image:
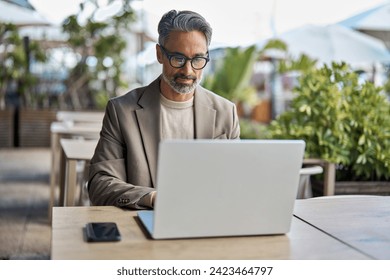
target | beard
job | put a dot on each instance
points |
(179, 87)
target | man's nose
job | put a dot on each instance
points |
(187, 67)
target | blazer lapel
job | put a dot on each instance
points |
(149, 123)
(204, 116)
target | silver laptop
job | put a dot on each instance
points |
(209, 188)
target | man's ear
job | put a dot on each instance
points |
(159, 54)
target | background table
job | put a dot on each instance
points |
(58, 131)
(80, 116)
(74, 150)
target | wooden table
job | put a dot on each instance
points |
(80, 116)
(361, 222)
(73, 150)
(58, 131)
(302, 242)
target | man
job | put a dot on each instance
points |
(174, 106)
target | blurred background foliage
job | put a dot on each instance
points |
(97, 75)
(233, 74)
(15, 60)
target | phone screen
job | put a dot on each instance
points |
(99, 232)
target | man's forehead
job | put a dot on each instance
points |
(180, 40)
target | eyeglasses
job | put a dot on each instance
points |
(179, 60)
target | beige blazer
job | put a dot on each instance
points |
(123, 168)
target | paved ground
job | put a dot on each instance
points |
(25, 230)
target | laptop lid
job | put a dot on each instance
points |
(211, 188)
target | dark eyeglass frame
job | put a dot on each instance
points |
(170, 55)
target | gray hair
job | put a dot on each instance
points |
(182, 21)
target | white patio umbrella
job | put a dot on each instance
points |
(374, 22)
(335, 43)
(20, 16)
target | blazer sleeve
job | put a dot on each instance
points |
(108, 182)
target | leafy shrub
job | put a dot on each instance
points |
(341, 121)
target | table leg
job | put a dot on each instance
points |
(62, 177)
(70, 182)
(53, 171)
(329, 178)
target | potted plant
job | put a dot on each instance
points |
(342, 121)
(17, 85)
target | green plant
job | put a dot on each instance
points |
(100, 44)
(232, 77)
(302, 64)
(15, 59)
(341, 121)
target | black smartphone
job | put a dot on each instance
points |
(101, 232)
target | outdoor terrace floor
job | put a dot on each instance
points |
(25, 230)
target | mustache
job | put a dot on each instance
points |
(181, 76)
